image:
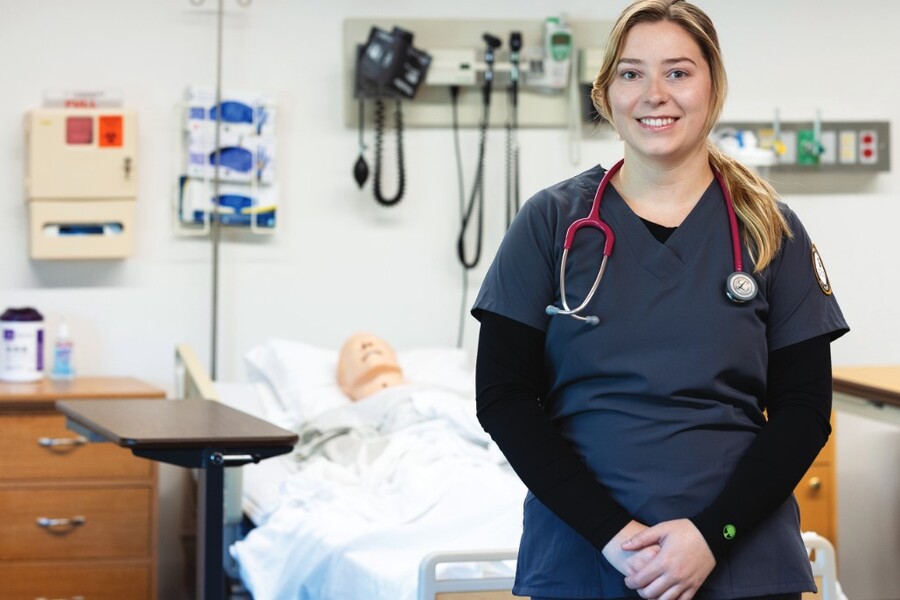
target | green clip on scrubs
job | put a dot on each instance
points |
(662, 398)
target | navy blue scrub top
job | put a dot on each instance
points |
(663, 397)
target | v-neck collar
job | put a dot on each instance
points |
(661, 232)
(663, 261)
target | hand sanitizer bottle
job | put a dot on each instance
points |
(62, 355)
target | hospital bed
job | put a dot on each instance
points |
(452, 541)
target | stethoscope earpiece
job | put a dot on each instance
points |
(740, 287)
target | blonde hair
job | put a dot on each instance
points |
(754, 199)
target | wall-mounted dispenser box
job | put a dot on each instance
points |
(80, 182)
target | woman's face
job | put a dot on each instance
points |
(660, 95)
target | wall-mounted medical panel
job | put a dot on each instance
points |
(80, 182)
(832, 146)
(457, 50)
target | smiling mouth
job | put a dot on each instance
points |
(657, 121)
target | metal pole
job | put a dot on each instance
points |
(214, 231)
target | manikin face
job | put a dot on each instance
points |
(367, 364)
(660, 96)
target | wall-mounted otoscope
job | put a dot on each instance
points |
(515, 46)
(492, 44)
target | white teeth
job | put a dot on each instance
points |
(658, 122)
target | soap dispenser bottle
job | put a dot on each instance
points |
(62, 355)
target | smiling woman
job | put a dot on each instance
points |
(651, 465)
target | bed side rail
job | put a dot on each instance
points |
(192, 381)
(824, 565)
(432, 587)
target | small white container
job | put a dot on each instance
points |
(21, 345)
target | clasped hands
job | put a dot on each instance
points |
(669, 561)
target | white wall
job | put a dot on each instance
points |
(338, 263)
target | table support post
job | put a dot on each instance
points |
(210, 539)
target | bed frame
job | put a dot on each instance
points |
(192, 381)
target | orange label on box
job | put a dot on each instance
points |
(110, 134)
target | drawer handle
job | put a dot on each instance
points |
(815, 484)
(50, 524)
(72, 598)
(57, 442)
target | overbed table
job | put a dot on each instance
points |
(198, 434)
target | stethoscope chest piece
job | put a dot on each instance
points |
(740, 287)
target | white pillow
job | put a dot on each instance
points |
(446, 368)
(304, 377)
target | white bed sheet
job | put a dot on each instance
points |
(355, 519)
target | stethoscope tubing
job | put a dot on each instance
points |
(593, 220)
(732, 223)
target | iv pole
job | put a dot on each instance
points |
(210, 584)
(215, 233)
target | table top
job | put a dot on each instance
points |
(175, 424)
(875, 383)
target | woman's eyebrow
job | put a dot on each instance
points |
(668, 61)
(679, 59)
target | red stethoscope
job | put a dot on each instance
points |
(740, 287)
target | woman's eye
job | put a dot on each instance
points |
(628, 75)
(678, 74)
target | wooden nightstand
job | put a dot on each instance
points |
(80, 519)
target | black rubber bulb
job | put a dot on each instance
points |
(360, 171)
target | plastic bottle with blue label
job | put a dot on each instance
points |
(62, 355)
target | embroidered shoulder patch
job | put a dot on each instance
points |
(819, 269)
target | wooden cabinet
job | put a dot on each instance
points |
(817, 493)
(79, 518)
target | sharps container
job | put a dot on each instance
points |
(22, 346)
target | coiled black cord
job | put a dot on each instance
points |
(512, 176)
(379, 133)
(513, 203)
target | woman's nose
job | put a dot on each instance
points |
(656, 92)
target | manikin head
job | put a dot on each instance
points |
(367, 364)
